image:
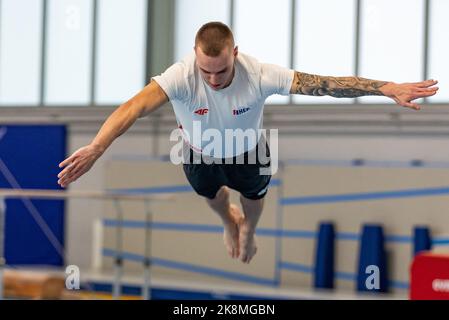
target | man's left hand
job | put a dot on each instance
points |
(405, 93)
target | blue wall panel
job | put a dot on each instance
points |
(29, 158)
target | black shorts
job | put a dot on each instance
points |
(207, 178)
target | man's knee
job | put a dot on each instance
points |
(221, 195)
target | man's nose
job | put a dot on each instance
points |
(214, 79)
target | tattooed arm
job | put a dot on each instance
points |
(338, 87)
(351, 87)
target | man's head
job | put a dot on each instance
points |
(215, 54)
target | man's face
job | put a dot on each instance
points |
(217, 71)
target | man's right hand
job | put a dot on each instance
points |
(78, 164)
(146, 101)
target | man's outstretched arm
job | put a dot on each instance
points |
(146, 101)
(351, 87)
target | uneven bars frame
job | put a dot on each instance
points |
(63, 195)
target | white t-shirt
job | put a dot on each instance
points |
(203, 114)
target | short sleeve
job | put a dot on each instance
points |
(173, 82)
(275, 79)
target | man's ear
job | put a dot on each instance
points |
(236, 51)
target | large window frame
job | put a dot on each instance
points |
(151, 49)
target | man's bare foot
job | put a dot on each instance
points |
(247, 242)
(231, 232)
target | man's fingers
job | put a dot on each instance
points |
(67, 180)
(66, 170)
(422, 94)
(411, 105)
(63, 163)
(427, 83)
(72, 167)
(434, 89)
(67, 161)
(430, 93)
(413, 91)
(69, 175)
(77, 172)
(64, 183)
(76, 176)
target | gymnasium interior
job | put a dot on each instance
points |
(355, 210)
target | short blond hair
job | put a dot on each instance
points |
(213, 37)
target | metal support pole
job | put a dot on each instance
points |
(118, 261)
(279, 226)
(358, 17)
(146, 293)
(426, 50)
(93, 57)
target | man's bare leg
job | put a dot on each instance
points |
(252, 210)
(231, 216)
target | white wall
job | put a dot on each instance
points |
(81, 214)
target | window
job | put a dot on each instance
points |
(190, 16)
(324, 42)
(391, 42)
(69, 52)
(120, 57)
(20, 52)
(439, 48)
(262, 29)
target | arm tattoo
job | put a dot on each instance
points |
(338, 87)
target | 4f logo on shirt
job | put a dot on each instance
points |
(240, 111)
(202, 111)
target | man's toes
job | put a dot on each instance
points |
(231, 247)
(235, 252)
(231, 252)
(245, 258)
(248, 254)
(252, 255)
